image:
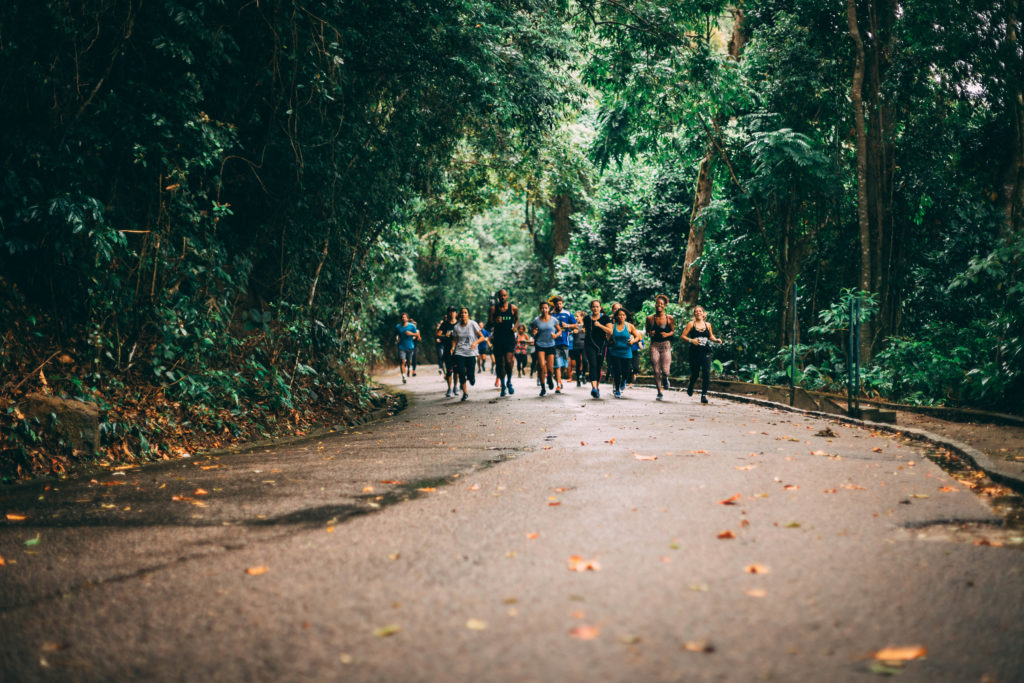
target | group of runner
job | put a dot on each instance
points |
(562, 346)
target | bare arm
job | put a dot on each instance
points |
(686, 333)
(712, 335)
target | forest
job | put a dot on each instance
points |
(213, 211)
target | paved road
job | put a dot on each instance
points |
(459, 568)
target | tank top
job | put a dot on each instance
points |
(620, 343)
(504, 327)
(658, 332)
(706, 333)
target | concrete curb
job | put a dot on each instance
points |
(998, 471)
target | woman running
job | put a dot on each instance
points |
(620, 353)
(598, 327)
(660, 328)
(699, 335)
(468, 335)
(523, 343)
(545, 329)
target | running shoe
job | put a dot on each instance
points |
(703, 399)
(510, 389)
(543, 390)
(689, 390)
(403, 379)
(448, 394)
(560, 387)
(413, 373)
(455, 391)
(594, 393)
(551, 382)
(618, 394)
(503, 390)
(465, 395)
(660, 397)
(665, 383)
(597, 393)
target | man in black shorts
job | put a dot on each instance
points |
(446, 342)
(502, 321)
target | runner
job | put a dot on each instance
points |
(503, 319)
(482, 352)
(577, 359)
(405, 337)
(661, 327)
(415, 347)
(598, 327)
(699, 335)
(545, 330)
(620, 353)
(566, 324)
(468, 335)
(445, 337)
(523, 343)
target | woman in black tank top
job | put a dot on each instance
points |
(699, 335)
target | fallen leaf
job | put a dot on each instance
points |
(33, 541)
(756, 592)
(368, 489)
(427, 489)
(790, 487)
(829, 491)
(853, 487)
(3, 562)
(610, 441)
(726, 534)
(476, 624)
(697, 452)
(757, 569)
(876, 449)
(901, 654)
(701, 645)
(699, 587)
(393, 482)
(629, 639)
(532, 535)
(578, 614)
(201, 492)
(731, 500)
(11, 517)
(561, 489)
(744, 522)
(256, 571)
(645, 457)
(948, 489)
(555, 504)
(385, 631)
(578, 564)
(985, 541)
(585, 632)
(793, 525)
(744, 468)
(330, 529)
(918, 495)
(818, 453)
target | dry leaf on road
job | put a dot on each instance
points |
(727, 534)
(256, 571)
(757, 569)
(585, 632)
(578, 564)
(731, 500)
(901, 654)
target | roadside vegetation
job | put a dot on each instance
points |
(213, 213)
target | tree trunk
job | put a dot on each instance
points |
(864, 225)
(561, 223)
(1013, 184)
(689, 286)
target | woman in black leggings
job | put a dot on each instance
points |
(699, 335)
(598, 327)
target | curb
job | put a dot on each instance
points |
(993, 468)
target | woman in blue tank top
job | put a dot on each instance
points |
(620, 349)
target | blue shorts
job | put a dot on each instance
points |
(561, 356)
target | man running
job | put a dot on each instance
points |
(566, 325)
(503, 318)
(405, 335)
(446, 343)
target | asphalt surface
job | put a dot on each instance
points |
(436, 545)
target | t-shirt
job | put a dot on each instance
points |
(405, 342)
(482, 346)
(465, 335)
(566, 318)
(443, 329)
(544, 339)
(579, 338)
(596, 338)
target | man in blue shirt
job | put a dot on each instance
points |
(567, 325)
(406, 335)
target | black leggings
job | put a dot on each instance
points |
(700, 360)
(466, 366)
(595, 357)
(521, 362)
(621, 369)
